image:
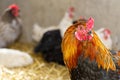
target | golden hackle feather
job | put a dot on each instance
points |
(103, 56)
(69, 48)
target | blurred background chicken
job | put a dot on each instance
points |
(86, 56)
(10, 25)
(66, 21)
(105, 36)
(50, 47)
(14, 58)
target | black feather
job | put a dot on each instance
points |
(50, 47)
(88, 70)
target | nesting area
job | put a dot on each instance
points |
(39, 70)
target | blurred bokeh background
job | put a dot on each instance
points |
(106, 13)
(49, 12)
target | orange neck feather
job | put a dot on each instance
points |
(70, 49)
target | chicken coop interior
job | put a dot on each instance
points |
(36, 42)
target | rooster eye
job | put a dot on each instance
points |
(90, 32)
(74, 22)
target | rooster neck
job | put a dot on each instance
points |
(93, 49)
(73, 48)
(7, 17)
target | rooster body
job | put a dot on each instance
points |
(85, 55)
(10, 26)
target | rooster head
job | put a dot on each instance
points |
(84, 29)
(14, 9)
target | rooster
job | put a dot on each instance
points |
(86, 56)
(10, 25)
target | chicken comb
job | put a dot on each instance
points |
(71, 12)
(107, 30)
(14, 6)
(90, 23)
(71, 9)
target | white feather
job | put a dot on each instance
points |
(38, 31)
(14, 58)
(65, 23)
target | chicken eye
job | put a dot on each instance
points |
(74, 22)
(90, 32)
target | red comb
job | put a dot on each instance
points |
(71, 9)
(107, 30)
(90, 23)
(14, 6)
(15, 9)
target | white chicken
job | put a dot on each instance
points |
(66, 21)
(10, 25)
(104, 35)
(14, 58)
